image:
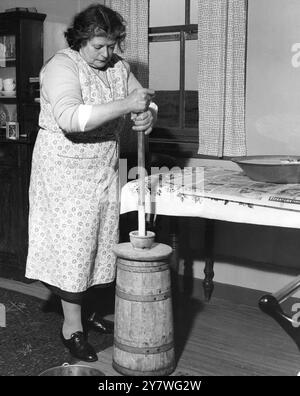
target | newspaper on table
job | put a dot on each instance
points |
(224, 184)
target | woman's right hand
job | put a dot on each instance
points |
(138, 100)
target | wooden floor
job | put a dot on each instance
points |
(219, 338)
(225, 339)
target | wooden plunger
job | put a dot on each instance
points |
(141, 239)
(142, 174)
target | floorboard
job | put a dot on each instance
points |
(226, 339)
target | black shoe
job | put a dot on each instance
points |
(99, 324)
(79, 347)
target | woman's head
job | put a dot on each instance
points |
(96, 21)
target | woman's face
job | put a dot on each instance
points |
(98, 51)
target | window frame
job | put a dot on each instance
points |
(181, 141)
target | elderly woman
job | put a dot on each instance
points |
(86, 92)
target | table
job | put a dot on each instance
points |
(216, 193)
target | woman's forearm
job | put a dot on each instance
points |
(137, 101)
(103, 113)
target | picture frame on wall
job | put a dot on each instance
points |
(12, 130)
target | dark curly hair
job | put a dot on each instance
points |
(96, 20)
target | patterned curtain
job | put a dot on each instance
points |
(222, 51)
(136, 15)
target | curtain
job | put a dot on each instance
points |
(221, 78)
(136, 15)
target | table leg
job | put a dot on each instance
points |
(208, 284)
(174, 262)
(188, 263)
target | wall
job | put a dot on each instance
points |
(273, 75)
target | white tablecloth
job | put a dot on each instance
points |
(216, 193)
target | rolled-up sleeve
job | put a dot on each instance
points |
(61, 88)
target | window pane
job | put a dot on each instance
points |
(191, 84)
(191, 64)
(164, 79)
(167, 12)
(164, 65)
(194, 11)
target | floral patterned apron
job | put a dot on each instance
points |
(74, 207)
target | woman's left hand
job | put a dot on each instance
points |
(144, 122)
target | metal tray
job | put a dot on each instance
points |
(282, 169)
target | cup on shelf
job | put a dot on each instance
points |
(9, 84)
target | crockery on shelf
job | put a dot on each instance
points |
(4, 115)
(9, 84)
(8, 93)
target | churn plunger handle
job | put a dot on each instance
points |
(142, 174)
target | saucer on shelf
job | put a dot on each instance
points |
(8, 93)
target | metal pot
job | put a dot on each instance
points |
(66, 370)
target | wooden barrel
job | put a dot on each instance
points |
(143, 335)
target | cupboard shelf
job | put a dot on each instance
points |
(8, 99)
(22, 34)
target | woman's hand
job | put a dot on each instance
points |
(144, 122)
(138, 100)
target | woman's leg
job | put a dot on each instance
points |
(97, 302)
(72, 333)
(100, 299)
(72, 318)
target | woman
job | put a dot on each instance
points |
(86, 92)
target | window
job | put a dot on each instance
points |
(173, 35)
